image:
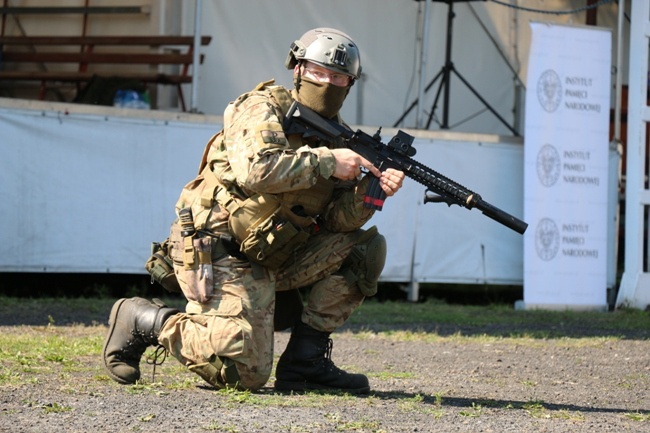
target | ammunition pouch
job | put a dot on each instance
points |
(267, 233)
(161, 267)
(272, 242)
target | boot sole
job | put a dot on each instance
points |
(111, 327)
(285, 386)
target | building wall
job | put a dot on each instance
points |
(251, 39)
(489, 49)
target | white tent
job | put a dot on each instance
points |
(403, 45)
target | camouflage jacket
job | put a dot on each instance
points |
(253, 155)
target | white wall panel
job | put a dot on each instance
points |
(87, 189)
(90, 192)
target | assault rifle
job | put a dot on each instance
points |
(396, 154)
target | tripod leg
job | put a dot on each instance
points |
(414, 103)
(469, 86)
(443, 83)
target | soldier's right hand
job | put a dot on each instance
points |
(349, 164)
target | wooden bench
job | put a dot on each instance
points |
(21, 60)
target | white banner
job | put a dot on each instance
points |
(87, 192)
(566, 167)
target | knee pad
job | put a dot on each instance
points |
(366, 261)
(220, 372)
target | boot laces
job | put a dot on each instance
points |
(134, 348)
(327, 357)
(328, 349)
(156, 358)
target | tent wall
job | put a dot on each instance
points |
(88, 189)
(76, 181)
(435, 243)
(490, 45)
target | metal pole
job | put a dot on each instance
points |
(615, 168)
(619, 75)
(446, 77)
(634, 289)
(424, 46)
(195, 60)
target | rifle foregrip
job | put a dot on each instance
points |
(375, 196)
(501, 217)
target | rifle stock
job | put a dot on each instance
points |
(396, 154)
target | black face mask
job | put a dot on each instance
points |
(324, 98)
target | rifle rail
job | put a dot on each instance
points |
(396, 154)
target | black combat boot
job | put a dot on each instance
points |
(306, 364)
(134, 325)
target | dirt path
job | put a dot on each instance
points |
(426, 384)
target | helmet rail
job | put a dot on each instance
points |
(326, 47)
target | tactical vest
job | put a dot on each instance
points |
(268, 227)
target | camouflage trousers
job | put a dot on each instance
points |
(234, 329)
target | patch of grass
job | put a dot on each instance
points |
(386, 375)
(638, 416)
(417, 404)
(550, 323)
(218, 427)
(634, 380)
(27, 352)
(147, 418)
(184, 382)
(55, 408)
(142, 387)
(9, 376)
(422, 336)
(362, 424)
(511, 323)
(569, 415)
(536, 409)
(476, 411)
(359, 425)
(56, 311)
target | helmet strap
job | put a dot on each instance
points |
(297, 77)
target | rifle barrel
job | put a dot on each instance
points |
(500, 216)
(302, 120)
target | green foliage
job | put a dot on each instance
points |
(498, 319)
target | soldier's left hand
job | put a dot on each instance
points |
(391, 181)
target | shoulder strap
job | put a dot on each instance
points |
(215, 191)
(264, 84)
(282, 97)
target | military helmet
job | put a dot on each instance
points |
(327, 47)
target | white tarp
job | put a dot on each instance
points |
(90, 192)
(566, 167)
(251, 39)
(435, 243)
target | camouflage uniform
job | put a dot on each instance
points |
(233, 327)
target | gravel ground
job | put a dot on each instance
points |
(440, 382)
